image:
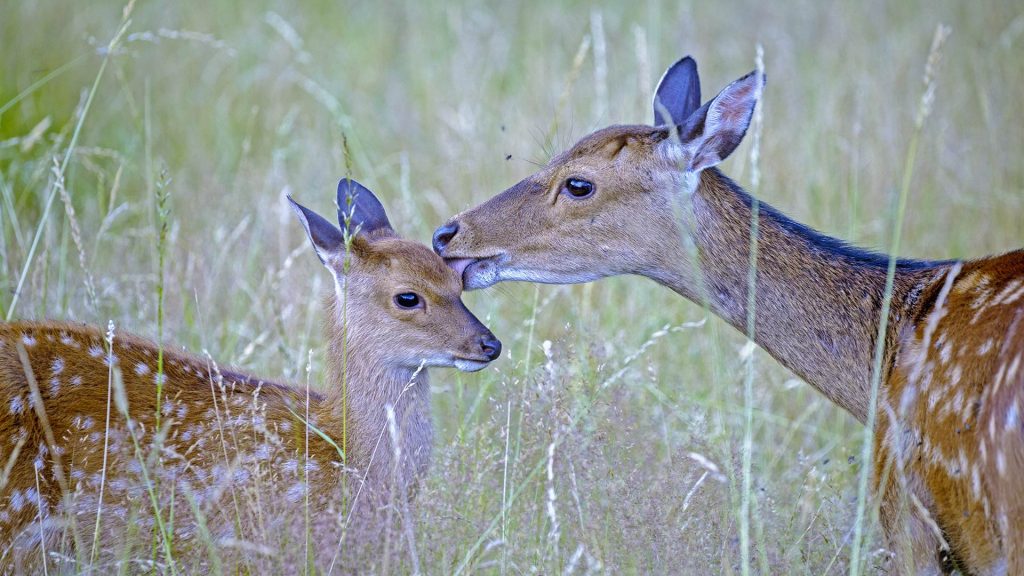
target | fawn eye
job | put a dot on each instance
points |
(407, 300)
(578, 187)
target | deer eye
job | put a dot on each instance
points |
(578, 187)
(407, 300)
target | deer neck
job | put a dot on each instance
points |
(818, 301)
(362, 388)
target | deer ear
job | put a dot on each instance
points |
(325, 237)
(368, 214)
(678, 93)
(714, 131)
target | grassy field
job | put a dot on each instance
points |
(608, 438)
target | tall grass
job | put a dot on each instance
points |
(924, 109)
(602, 440)
(748, 381)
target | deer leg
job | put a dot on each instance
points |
(910, 535)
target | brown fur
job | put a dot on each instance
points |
(221, 425)
(818, 304)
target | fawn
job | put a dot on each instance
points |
(948, 459)
(394, 311)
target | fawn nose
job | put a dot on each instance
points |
(490, 346)
(443, 235)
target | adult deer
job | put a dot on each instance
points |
(949, 443)
(69, 430)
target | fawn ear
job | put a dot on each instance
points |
(367, 212)
(678, 93)
(325, 237)
(714, 131)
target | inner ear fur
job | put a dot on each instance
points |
(612, 149)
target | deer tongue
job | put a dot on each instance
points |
(459, 264)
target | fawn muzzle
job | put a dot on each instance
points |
(490, 346)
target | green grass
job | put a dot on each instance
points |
(600, 441)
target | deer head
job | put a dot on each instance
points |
(609, 204)
(397, 296)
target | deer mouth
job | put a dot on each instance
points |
(459, 265)
(476, 273)
(471, 364)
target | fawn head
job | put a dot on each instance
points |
(608, 205)
(395, 294)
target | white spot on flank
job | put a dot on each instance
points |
(54, 386)
(957, 373)
(95, 351)
(291, 466)
(1012, 417)
(947, 353)
(160, 379)
(985, 348)
(32, 497)
(17, 500)
(58, 366)
(141, 369)
(295, 492)
(1009, 292)
(83, 422)
(1011, 374)
(975, 482)
(76, 380)
(17, 405)
(67, 340)
(28, 339)
(1011, 298)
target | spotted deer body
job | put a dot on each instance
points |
(394, 312)
(949, 441)
(648, 200)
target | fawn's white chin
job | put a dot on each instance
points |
(466, 365)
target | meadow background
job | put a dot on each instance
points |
(608, 438)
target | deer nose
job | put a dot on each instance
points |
(490, 346)
(443, 235)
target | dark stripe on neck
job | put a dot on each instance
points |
(829, 246)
